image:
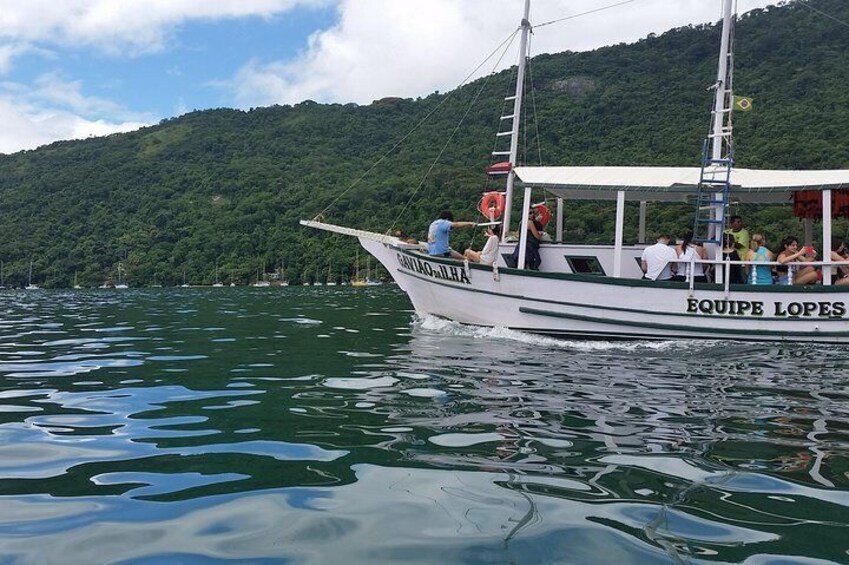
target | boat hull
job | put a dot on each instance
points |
(572, 305)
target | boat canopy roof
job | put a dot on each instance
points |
(675, 184)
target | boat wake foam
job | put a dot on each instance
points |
(435, 324)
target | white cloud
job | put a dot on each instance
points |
(391, 48)
(52, 89)
(8, 53)
(123, 26)
(54, 109)
(27, 127)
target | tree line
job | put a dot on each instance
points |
(218, 193)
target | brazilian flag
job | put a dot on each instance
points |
(742, 103)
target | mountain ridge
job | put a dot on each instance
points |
(228, 187)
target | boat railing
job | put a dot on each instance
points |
(726, 265)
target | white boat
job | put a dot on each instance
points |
(357, 281)
(261, 281)
(283, 280)
(76, 284)
(370, 281)
(30, 285)
(596, 291)
(217, 283)
(121, 284)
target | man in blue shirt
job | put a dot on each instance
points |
(437, 235)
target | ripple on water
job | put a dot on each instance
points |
(465, 440)
(506, 447)
(425, 392)
(360, 383)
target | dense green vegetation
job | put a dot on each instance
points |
(228, 187)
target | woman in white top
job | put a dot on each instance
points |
(690, 252)
(489, 254)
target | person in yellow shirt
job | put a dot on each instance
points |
(741, 234)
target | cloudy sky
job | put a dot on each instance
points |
(71, 69)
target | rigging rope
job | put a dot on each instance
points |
(506, 44)
(534, 106)
(507, 41)
(584, 13)
(820, 12)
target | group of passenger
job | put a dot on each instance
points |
(660, 262)
(663, 262)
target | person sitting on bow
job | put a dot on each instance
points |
(438, 233)
(489, 254)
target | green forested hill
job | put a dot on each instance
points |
(228, 187)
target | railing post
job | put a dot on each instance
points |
(558, 233)
(691, 273)
(826, 236)
(618, 230)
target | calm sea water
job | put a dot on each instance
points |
(328, 425)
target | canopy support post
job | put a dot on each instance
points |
(809, 228)
(641, 234)
(558, 234)
(523, 232)
(620, 229)
(826, 236)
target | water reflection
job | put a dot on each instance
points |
(321, 425)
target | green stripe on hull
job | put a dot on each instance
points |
(753, 334)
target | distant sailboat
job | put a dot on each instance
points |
(76, 284)
(2, 283)
(217, 282)
(155, 284)
(232, 278)
(283, 281)
(357, 281)
(369, 280)
(29, 285)
(261, 282)
(185, 284)
(121, 282)
(330, 280)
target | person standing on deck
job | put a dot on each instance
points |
(438, 233)
(741, 234)
(659, 260)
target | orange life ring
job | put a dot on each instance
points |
(492, 205)
(544, 213)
